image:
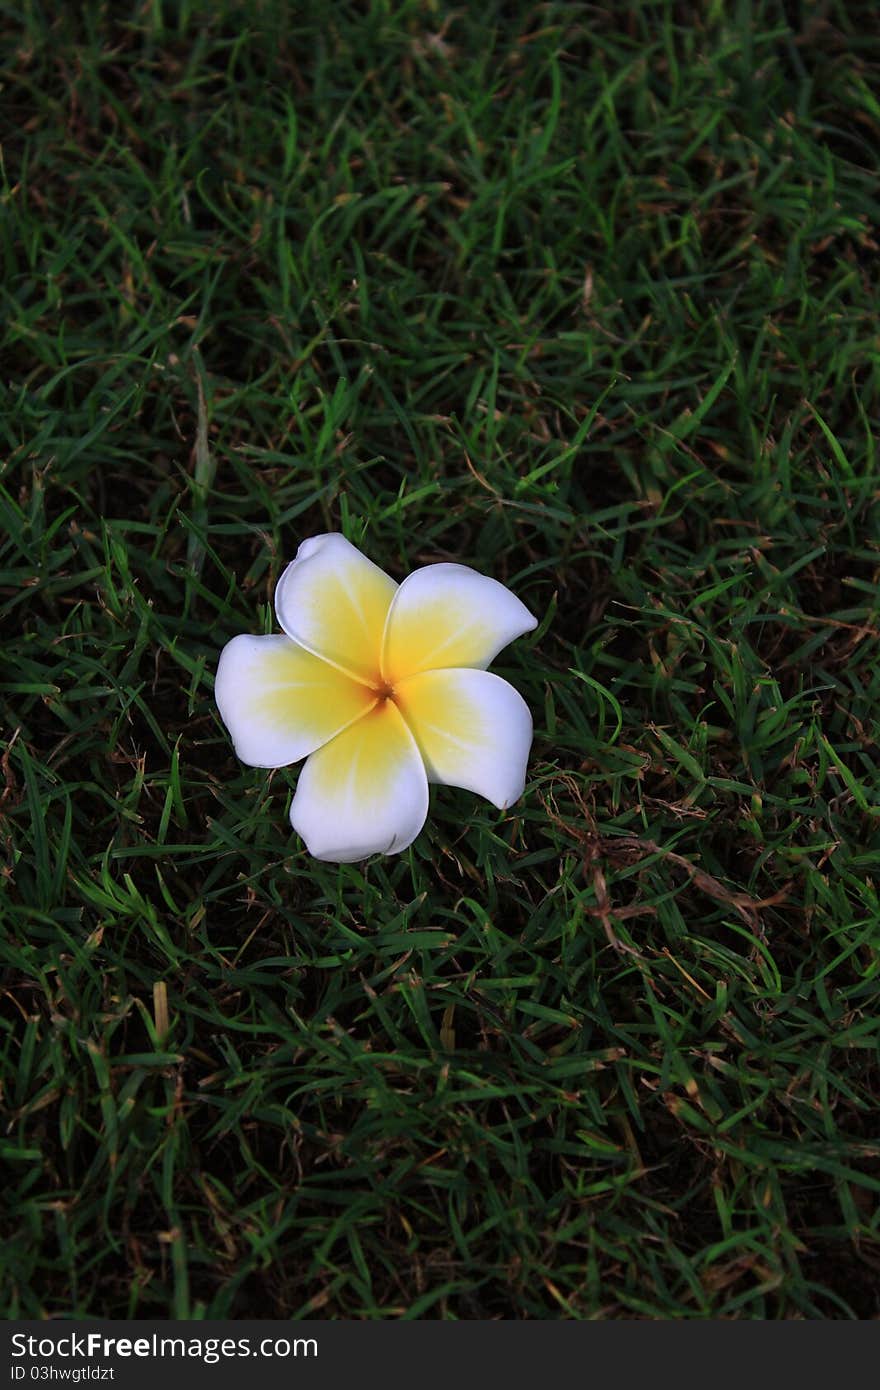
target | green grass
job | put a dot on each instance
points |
(583, 297)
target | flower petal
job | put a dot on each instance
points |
(334, 602)
(473, 730)
(279, 702)
(364, 793)
(449, 616)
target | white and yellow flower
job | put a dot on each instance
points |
(383, 688)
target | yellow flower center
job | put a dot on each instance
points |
(383, 691)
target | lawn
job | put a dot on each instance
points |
(584, 297)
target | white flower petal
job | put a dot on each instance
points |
(279, 702)
(364, 793)
(472, 728)
(449, 616)
(334, 602)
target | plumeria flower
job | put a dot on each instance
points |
(382, 687)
